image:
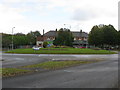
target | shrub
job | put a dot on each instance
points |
(45, 44)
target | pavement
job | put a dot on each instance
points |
(102, 74)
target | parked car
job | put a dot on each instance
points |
(36, 48)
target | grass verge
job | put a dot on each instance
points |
(52, 65)
(60, 51)
(6, 72)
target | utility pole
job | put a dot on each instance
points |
(12, 38)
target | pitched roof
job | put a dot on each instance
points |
(75, 34)
(79, 34)
(51, 34)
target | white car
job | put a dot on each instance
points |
(36, 48)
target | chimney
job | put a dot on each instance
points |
(43, 31)
(80, 31)
(56, 29)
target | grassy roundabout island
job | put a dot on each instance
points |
(60, 51)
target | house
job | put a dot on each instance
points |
(39, 41)
(80, 38)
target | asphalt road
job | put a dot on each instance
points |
(16, 60)
(102, 74)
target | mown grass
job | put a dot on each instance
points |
(6, 72)
(60, 51)
(52, 65)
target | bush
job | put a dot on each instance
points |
(45, 44)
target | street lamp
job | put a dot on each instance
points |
(12, 37)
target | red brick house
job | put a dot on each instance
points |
(80, 38)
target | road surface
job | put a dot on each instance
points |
(16, 60)
(102, 74)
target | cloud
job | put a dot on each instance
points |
(9, 14)
(9, 17)
(28, 15)
(82, 15)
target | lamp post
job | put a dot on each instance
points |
(12, 37)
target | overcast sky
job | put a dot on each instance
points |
(32, 15)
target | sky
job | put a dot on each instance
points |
(32, 15)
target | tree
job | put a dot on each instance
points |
(94, 36)
(20, 40)
(20, 34)
(118, 39)
(105, 36)
(6, 40)
(64, 37)
(32, 37)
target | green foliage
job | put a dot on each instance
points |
(110, 35)
(20, 34)
(45, 44)
(103, 36)
(118, 37)
(19, 39)
(6, 40)
(64, 37)
(95, 37)
(32, 37)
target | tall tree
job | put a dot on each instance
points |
(118, 40)
(20, 34)
(105, 35)
(32, 37)
(20, 40)
(6, 40)
(95, 36)
(110, 35)
(64, 37)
